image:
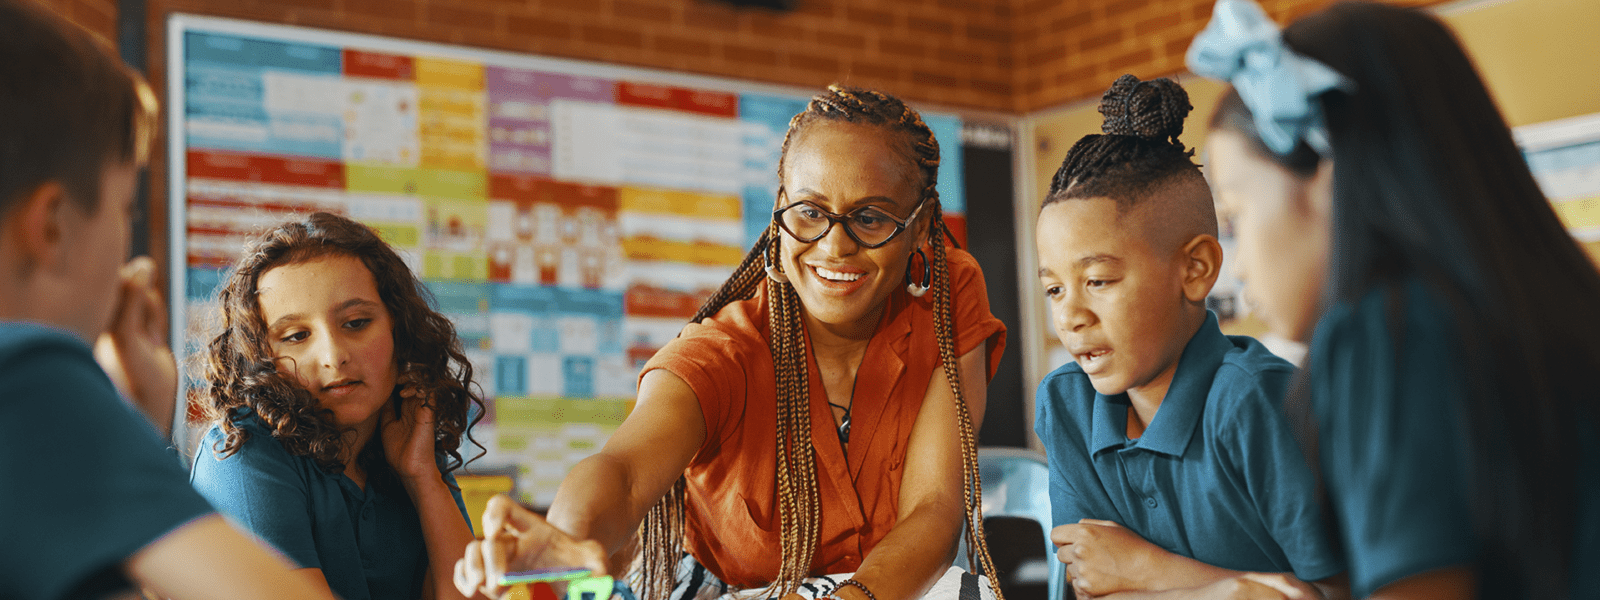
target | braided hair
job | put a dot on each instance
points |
(1138, 154)
(799, 502)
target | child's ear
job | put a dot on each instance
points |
(1202, 264)
(37, 224)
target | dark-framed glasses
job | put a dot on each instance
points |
(869, 226)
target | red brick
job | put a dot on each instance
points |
(1116, 8)
(456, 16)
(962, 58)
(1047, 55)
(591, 7)
(612, 36)
(1075, 76)
(874, 71)
(869, 17)
(930, 25)
(682, 46)
(750, 55)
(520, 25)
(320, 5)
(654, 12)
(903, 49)
(997, 88)
(1100, 40)
(934, 79)
(835, 40)
(813, 62)
(967, 6)
(771, 26)
(389, 9)
(989, 34)
(1160, 22)
(705, 15)
(1126, 62)
(1071, 21)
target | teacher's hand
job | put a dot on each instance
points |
(517, 539)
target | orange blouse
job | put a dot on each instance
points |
(733, 523)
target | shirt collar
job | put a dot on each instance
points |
(1180, 412)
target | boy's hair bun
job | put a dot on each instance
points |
(1153, 109)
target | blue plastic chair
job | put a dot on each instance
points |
(1016, 483)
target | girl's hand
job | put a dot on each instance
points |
(408, 438)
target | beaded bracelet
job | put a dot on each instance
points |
(858, 585)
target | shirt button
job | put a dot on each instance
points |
(1150, 502)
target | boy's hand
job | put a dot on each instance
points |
(1103, 557)
(134, 351)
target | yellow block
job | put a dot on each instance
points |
(476, 490)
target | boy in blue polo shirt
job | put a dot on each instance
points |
(1172, 471)
(91, 503)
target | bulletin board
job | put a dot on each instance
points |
(569, 217)
(1564, 156)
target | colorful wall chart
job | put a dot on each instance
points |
(569, 223)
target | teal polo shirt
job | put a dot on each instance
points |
(367, 542)
(1388, 392)
(85, 481)
(1217, 476)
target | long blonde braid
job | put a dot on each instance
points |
(799, 501)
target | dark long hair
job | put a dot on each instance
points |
(241, 374)
(1429, 185)
(799, 501)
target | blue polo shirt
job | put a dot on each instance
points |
(85, 481)
(1217, 476)
(367, 542)
(1388, 391)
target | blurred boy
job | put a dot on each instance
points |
(91, 503)
(1172, 471)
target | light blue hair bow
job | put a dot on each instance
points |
(1243, 46)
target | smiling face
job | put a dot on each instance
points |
(327, 324)
(841, 167)
(1282, 238)
(1118, 304)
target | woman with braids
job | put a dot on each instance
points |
(1385, 214)
(818, 415)
(340, 400)
(1173, 473)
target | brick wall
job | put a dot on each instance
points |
(1068, 50)
(955, 52)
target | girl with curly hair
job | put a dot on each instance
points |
(339, 401)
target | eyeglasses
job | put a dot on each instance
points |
(869, 226)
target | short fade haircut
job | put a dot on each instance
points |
(68, 107)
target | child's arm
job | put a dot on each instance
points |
(408, 444)
(1104, 558)
(134, 352)
(208, 559)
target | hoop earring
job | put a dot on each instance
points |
(915, 290)
(775, 274)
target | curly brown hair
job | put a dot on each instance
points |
(241, 375)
